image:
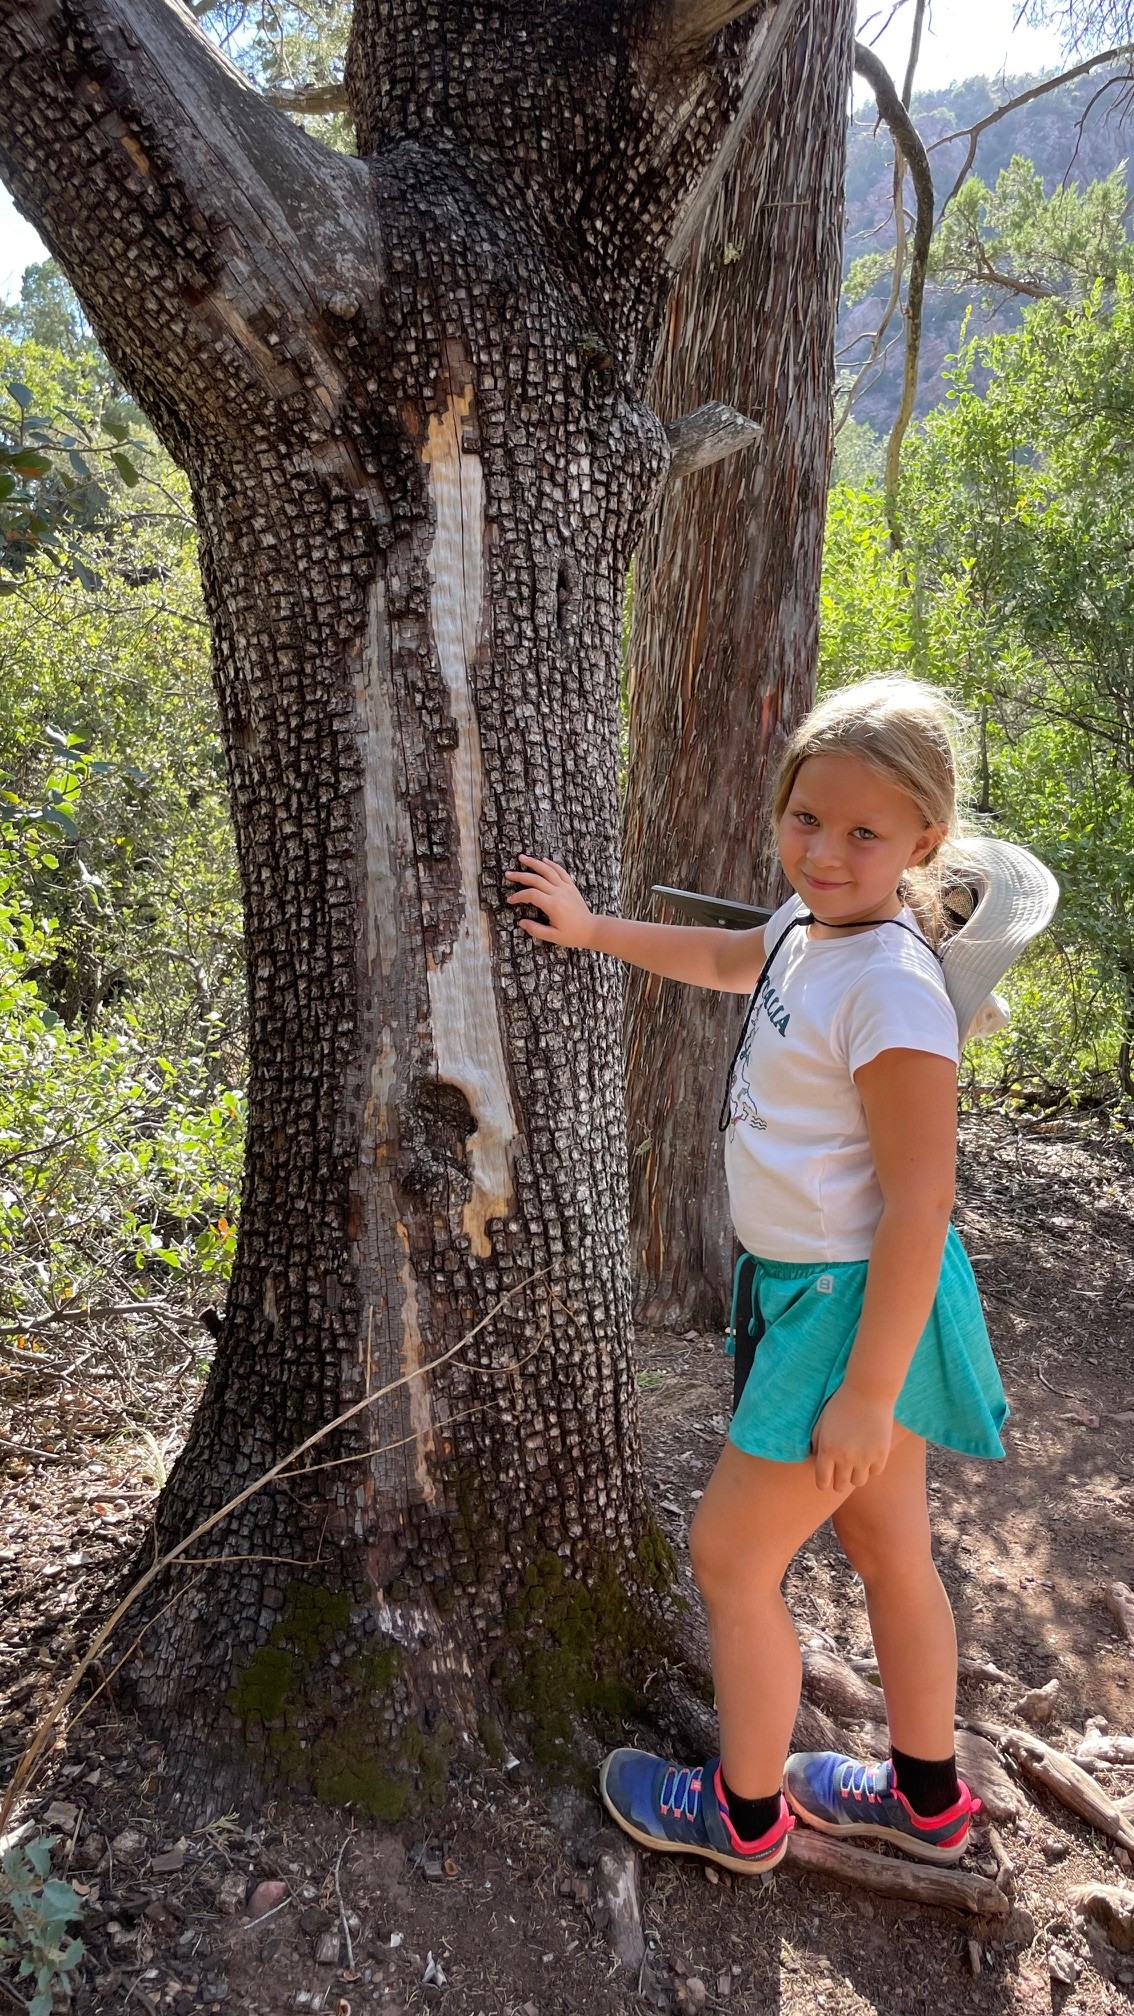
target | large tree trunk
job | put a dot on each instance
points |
(408, 395)
(725, 631)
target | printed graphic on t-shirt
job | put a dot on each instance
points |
(743, 1101)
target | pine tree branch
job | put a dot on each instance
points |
(972, 133)
(908, 141)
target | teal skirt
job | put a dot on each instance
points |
(804, 1320)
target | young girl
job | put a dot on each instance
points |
(840, 1149)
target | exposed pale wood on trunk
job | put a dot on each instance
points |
(467, 1036)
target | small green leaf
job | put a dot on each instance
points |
(21, 395)
(29, 462)
(125, 469)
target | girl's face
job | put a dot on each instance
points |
(847, 836)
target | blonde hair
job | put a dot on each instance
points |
(915, 738)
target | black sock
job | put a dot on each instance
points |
(930, 1785)
(751, 1817)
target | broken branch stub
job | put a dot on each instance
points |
(707, 435)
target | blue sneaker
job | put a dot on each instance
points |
(684, 1812)
(841, 1796)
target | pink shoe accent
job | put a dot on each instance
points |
(965, 1808)
(776, 1832)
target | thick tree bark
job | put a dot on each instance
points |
(408, 392)
(725, 630)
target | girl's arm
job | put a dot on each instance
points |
(910, 1101)
(698, 954)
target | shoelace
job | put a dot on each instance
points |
(681, 1793)
(857, 1781)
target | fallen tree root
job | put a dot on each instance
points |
(1005, 1878)
(834, 1685)
(916, 1882)
(978, 1762)
(1062, 1777)
(969, 1669)
(692, 1725)
(1111, 1907)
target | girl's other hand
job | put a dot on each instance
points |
(550, 889)
(851, 1440)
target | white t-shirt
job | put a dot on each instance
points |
(801, 1179)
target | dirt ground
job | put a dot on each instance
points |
(496, 1911)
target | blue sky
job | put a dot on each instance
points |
(965, 38)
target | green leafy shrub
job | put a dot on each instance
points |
(36, 1909)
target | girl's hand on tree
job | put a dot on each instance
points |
(550, 889)
(851, 1440)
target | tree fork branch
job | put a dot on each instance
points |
(707, 435)
(909, 144)
(187, 212)
(307, 98)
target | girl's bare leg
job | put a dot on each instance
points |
(883, 1529)
(753, 1517)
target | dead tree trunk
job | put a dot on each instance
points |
(408, 393)
(725, 629)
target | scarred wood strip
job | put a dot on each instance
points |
(399, 1328)
(466, 1017)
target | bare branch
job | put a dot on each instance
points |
(708, 435)
(972, 133)
(908, 141)
(915, 52)
(309, 98)
(137, 149)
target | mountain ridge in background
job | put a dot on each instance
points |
(1078, 133)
